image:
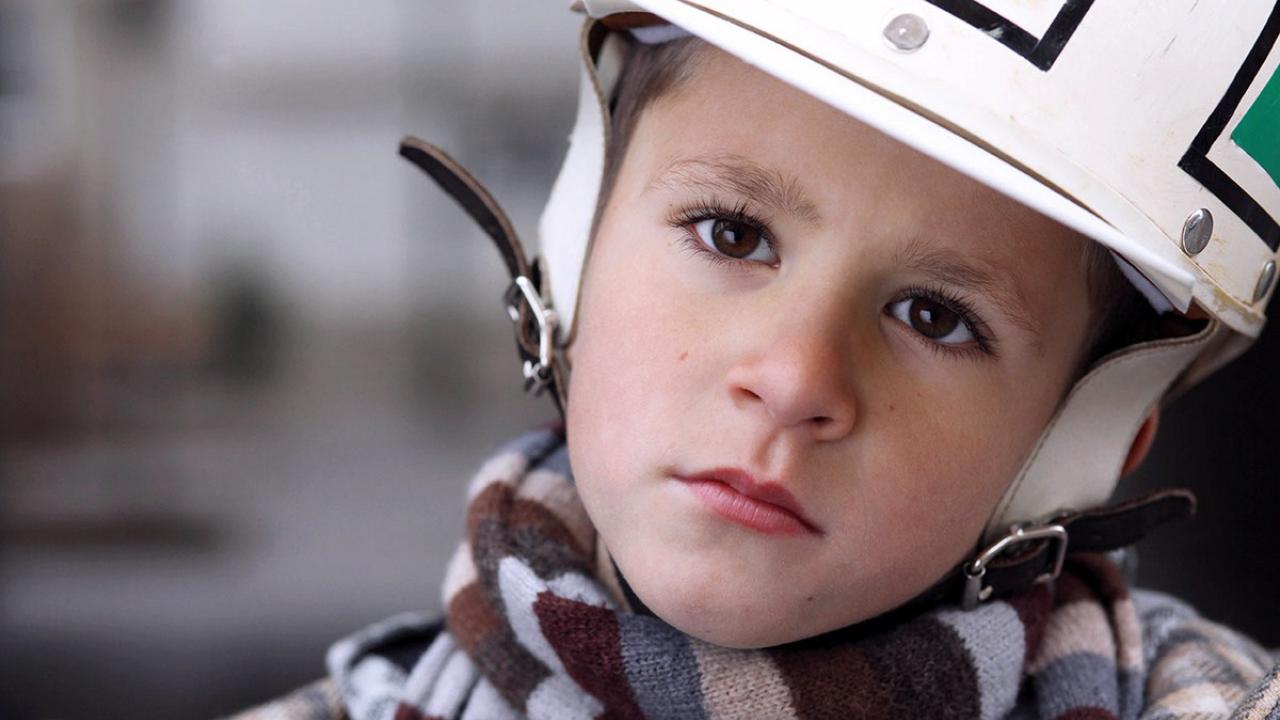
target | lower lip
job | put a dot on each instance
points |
(746, 511)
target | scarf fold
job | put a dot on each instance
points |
(532, 631)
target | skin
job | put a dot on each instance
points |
(798, 367)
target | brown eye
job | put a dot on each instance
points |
(933, 320)
(735, 239)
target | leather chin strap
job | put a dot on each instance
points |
(535, 322)
(1011, 564)
(1033, 553)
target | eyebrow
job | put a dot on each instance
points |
(743, 177)
(949, 266)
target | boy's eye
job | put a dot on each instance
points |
(933, 320)
(735, 239)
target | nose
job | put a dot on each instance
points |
(800, 381)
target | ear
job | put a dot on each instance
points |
(1142, 442)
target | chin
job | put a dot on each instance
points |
(732, 612)
(704, 622)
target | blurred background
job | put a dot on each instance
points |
(249, 357)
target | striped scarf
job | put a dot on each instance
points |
(532, 631)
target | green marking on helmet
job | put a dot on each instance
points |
(1258, 133)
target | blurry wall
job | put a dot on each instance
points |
(249, 357)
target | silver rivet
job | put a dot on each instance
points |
(1196, 231)
(907, 32)
(1267, 277)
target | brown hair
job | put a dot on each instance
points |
(1120, 315)
(648, 73)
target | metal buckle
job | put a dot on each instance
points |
(537, 375)
(974, 591)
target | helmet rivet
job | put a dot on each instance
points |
(1265, 280)
(1196, 231)
(907, 32)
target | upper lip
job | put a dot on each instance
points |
(763, 490)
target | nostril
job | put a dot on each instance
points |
(745, 395)
(831, 427)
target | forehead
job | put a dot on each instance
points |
(725, 108)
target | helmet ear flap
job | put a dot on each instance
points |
(1082, 451)
(565, 228)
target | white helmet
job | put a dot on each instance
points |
(1151, 126)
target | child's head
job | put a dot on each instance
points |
(783, 299)
(881, 295)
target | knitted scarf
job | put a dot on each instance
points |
(532, 631)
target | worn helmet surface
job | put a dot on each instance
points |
(1151, 126)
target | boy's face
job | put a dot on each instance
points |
(784, 307)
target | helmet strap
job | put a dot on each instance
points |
(1031, 553)
(535, 321)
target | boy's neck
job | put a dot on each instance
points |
(611, 578)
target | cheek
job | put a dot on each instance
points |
(628, 345)
(939, 465)
(634, 350)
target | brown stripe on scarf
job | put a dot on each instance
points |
(1071, 589)
(548, 489)
(485, 635)
(537, 523)
(919, 669)
(927, 670)
(499, 525)
(818, 691)
(586, 639)
(1107, 576)
(489, 504)
(472, 618)
(1034, 609)
(512, 669)
(1090, 577)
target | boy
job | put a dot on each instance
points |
(854, 373)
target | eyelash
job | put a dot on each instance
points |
(715, 210)
(738, 212)
(983, 341)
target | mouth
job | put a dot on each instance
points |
(763, 506)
